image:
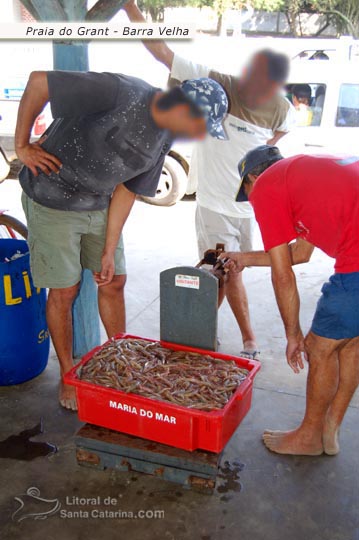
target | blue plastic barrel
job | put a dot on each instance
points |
(24, 337)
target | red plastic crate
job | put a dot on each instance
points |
(170, 424)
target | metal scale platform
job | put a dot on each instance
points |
(101, 448)
(189, 308)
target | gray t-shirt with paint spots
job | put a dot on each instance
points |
(104, 135)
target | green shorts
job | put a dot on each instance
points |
(62, 243)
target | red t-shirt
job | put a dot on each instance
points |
(315, 198)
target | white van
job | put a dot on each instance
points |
(332, 125)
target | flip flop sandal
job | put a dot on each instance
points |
(250, 355)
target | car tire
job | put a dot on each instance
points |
(172, 185)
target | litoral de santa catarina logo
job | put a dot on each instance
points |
(36, 507)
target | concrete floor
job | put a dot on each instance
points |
(262, 496)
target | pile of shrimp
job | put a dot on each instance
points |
(145, 368)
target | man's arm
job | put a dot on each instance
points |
(300, 252)
(281, 259)
(121, 204)
(287, 125)
(33, 101)
(120, 208)
(286, 292)
(158, 48)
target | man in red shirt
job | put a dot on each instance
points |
(313, 200)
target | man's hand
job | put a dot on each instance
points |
(296, 352)
(234, 263)
(107, 270)
(35, 157)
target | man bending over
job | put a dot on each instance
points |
(107, 143)
(313, 200)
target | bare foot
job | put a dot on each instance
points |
(67, 396)
(331, 438)
(292, 442)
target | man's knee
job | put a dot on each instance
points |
(318, 346)
(350, 346)
(63, 296)
(234, 279)
(116, 286)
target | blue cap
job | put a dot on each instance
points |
(262, 154)
(211, 99)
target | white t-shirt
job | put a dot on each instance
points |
(214, 163)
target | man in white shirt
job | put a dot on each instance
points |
(258, 114)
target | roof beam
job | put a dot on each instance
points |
(30, 8)
(72, 10)
(104, 10)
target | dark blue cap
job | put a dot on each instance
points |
(252, 159)
(211, 99)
